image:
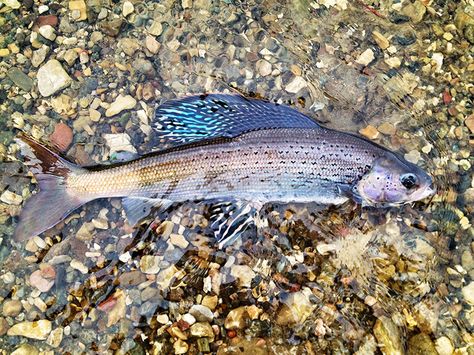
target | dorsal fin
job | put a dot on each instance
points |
(200, 117)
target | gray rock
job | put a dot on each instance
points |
(39, 56)
(20, 79)
(52, 78)
(201, 313)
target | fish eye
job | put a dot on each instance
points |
(408, 180)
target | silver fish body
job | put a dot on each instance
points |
(278, 165)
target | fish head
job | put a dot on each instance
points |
(393, 181)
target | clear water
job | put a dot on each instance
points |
(312, 279)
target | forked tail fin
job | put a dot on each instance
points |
(54, 201)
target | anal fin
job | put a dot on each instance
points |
(137, 208)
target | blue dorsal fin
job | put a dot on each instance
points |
(201, 117)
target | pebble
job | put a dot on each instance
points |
(264, 68)
(179, 240)
(386, 128)
(11, 198)
(51, 20)
(20, 79)
(180, 347)
(188, 318)
(129, 45)
(444, 346)
(78, 10)
(420, 344)
(237, 318)
(52, 78)
(25, 349)
(162, 318)
(48, 32)
(210, 302)
(14, 4)
(127, 8)
(201, 329)
(119, 142)
(388, 336)
(117, 308)
(370, 132)
(11, 308)
(39, 56)
(156, 28)
(243, 273)
(366, 57)
(414, 10)
(150, 264)
(79, 266)
(3, 326)
(413, 156)
(381, 40)
(34, 330)
(62, 136)
(55, 337)
(120, 104)
(42, 281)
(94, 115)
(469, 122)
(152, 44)
(4, 52)
(201, 313)
(71, 56)
(468, 293)
(426, 317)
(42, 9)
(297, 84)
(296, 308)
(393, 62)
(438, 59)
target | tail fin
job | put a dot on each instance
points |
(53, 202)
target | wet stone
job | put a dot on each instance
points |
(120, 104)
(52, 78)
(444, 346)
(236, 319)
(388, 336)
(468, 293)
(20, 79)
(210, 302)
(150, 264)
(62, 136)
(3, 326)
(11, 308)
(34, 330)
(201, 329)
(180, 347)
(25, 349)
(420, 344)
(201, 313)
(295, 85)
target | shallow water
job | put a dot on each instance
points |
(310, 279)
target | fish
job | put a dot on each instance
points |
(233, 152)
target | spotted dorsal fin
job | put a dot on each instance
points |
(201, 117)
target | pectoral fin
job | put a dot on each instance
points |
(137, 208)
(229, 220)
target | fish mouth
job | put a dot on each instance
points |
(423, 193)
